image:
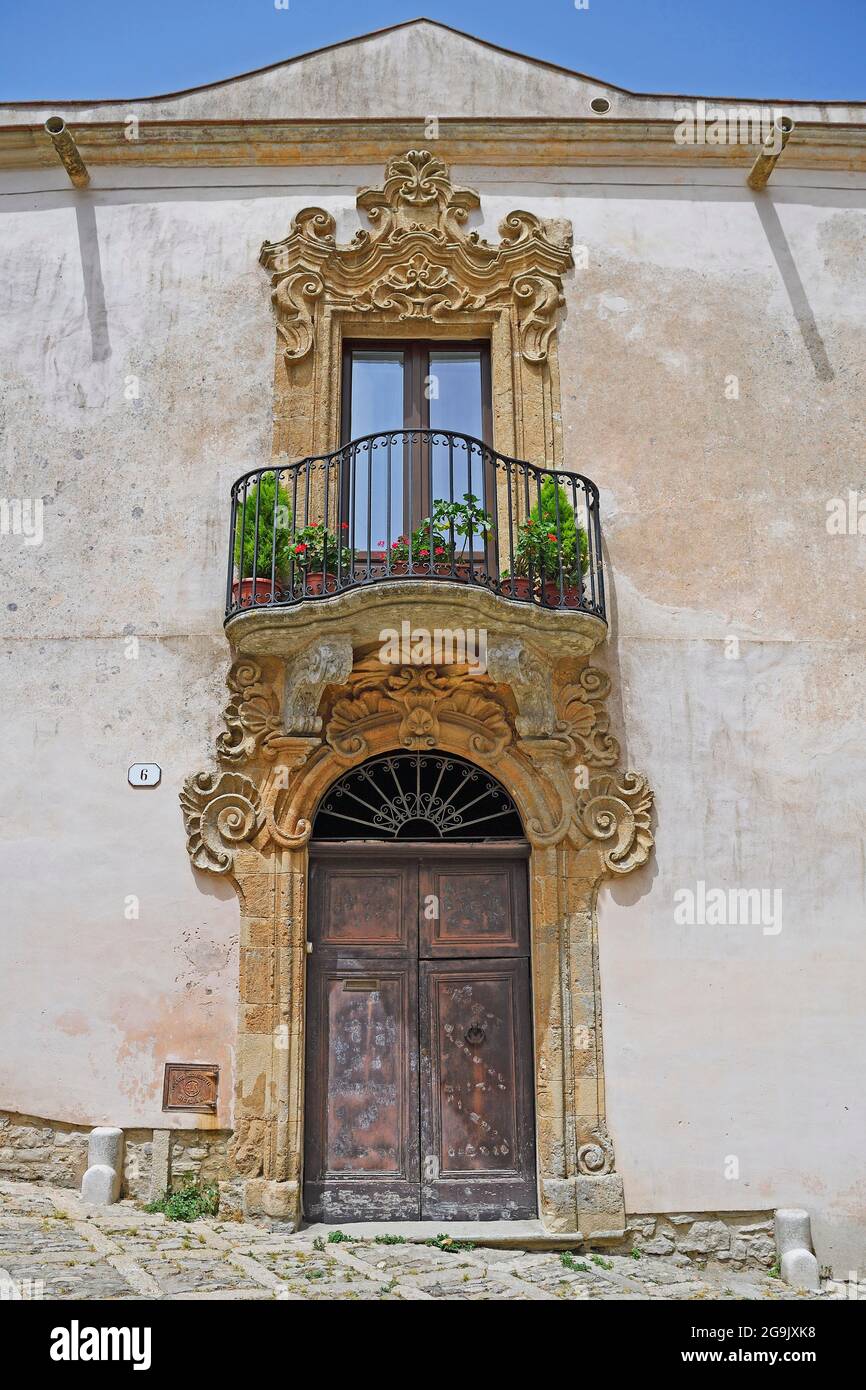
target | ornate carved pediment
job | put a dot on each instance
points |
(426, 700)
(564, 752)
(419, 263)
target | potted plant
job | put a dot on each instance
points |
(429, 552)
(533, 554)
(564, 546)
(316, 552)
(256, 564)
(465, 519)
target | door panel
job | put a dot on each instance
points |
(370, 906)
(418, 1104)
(362, 1091)
(477, 1145)
(474, 907)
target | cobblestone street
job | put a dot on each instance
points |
(53, 1246)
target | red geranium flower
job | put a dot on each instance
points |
(300, 548)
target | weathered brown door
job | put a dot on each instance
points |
(419, 1053)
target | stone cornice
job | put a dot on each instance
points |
(488, 141)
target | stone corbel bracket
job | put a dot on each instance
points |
(307, 674)
(565, 735)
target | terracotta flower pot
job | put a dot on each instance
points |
(517, 586)
(550, 593)
(247, 592)
(318, 582)
(572, 594)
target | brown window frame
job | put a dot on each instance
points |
(416, 351)
(416, 407)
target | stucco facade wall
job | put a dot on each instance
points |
(719, 1041)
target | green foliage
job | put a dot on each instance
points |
(337, 1237)
(389, 1240)
(553, 515)
(270, 499)
(419, 542)
(567, 1260)
(315, 548)
(189, 1203)
(602, 1264)
(463, 519)
(443, 1242)
(534, 551)
(459, 519)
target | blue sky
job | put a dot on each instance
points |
(118, 48)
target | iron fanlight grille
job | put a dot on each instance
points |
(417, 796)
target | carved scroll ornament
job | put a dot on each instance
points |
(557, 743)
(419, 264)
(219, 811)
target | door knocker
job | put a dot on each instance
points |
(474, 1034)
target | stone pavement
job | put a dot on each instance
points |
(53, 1246)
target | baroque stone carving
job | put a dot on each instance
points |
(510, 662)
(419, 263)
(318, 665)
(618, 811)
(595, 1155)
(425, 700)
(252, 715)
(586, 722)
(541, 722)
(218, 812)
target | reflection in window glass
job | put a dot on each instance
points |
(376, 406)
(454, 391)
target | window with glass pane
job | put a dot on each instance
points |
(375, 503)
(389, 391)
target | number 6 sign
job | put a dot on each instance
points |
(144, 774)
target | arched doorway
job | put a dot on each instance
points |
(419, 1095)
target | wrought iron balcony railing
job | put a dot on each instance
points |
(428, 505)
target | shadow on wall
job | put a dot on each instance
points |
(91, 270)
(800, 305)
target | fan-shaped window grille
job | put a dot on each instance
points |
(417, 796)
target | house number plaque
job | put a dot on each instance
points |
(144, 774)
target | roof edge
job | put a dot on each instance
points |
(449, 28)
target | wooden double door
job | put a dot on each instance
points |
(419, 1094)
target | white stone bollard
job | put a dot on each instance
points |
(797, 1263)
(101, 1183)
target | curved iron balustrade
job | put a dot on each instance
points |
(430, 505)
